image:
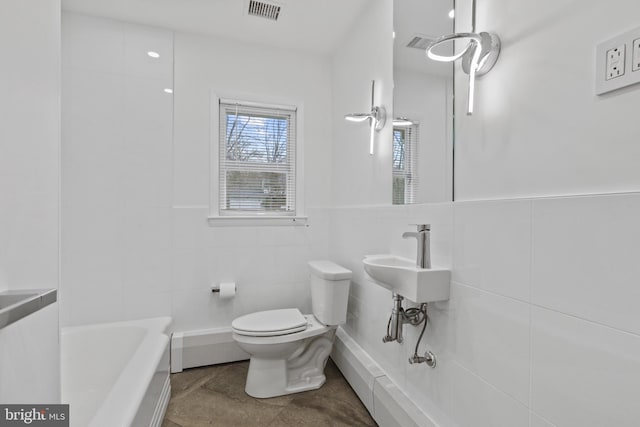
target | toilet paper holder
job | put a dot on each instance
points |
(217, 288)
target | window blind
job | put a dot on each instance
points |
(405, 178)
(257, 159)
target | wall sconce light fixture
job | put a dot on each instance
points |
(377, 118)
(403, 122)
(478, 57)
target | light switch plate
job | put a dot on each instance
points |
(618, 62)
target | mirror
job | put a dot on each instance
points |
(422, 104)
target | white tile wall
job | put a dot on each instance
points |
(356, 232)
(537, 421)
(567, 356)
(479, 404)
(585, 259)
(493, 246)
(99, 49)
(430, 389)
(29, 194)
(491, 339)
(268, 264)
(117, 171)
(136, 195)
(584, 374)
(30, 359)
(541, 328)
(29, 134)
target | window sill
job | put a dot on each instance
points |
(254, 221)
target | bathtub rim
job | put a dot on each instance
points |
(123, 400)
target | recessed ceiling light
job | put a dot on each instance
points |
(153, 54)
(452, 13)
(168, 90)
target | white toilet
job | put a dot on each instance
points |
(289, 350)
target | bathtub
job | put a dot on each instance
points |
(116, 374)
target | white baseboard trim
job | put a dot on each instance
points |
(356, 366)
(388, 405)
(163, 402)
(204, 347)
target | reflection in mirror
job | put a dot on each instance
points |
(423, 104)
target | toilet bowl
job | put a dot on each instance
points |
(288, 349)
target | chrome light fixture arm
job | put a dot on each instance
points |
(478, 56)
(377, 118)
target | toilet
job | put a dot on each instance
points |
(288, 349)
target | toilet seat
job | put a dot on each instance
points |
(270, 323)
(313, 328)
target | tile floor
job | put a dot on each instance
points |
(214, 396)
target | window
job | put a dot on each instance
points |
(257, 160)
(404, 167)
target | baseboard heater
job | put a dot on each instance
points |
(204, 347)
(386, 403)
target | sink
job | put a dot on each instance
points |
(400, 275)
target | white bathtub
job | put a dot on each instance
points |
(116, 374)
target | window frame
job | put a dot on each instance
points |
(410, 172)
(215, 218)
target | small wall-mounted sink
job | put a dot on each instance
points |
(400, 275)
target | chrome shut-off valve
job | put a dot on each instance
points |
(394, 327)
(429, 358)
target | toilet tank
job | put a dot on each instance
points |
(329, 291)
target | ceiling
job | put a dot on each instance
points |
(426, 18)
(315, 26)
(310, 25)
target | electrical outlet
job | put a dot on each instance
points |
(636, 55)
(615, 62)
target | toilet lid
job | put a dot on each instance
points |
(270, 323)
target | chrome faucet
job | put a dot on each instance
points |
(423, 236)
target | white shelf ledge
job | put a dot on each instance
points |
(262, 221)
(14, 305)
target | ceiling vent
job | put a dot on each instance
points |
(420, 42)
(264, 10)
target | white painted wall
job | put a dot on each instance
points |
(136, 176)
(366, 54)
(539, 129)
(29, 169)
